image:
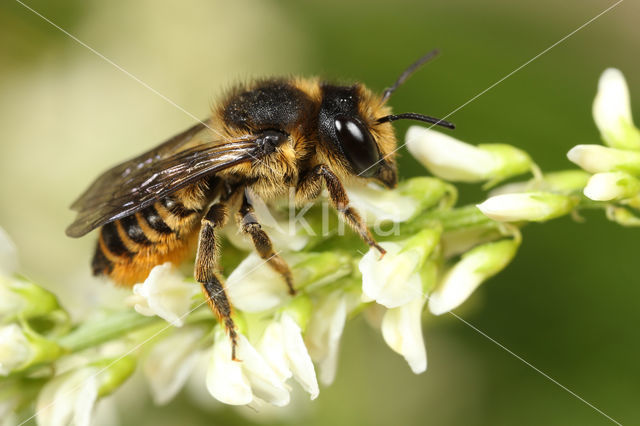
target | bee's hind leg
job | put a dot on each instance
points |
(249, 224)
(206, 270)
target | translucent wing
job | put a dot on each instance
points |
(143, 180)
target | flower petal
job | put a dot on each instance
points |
(379, 204)
(68, 399)
(254, 286)
(612, 111)
(298, 356)
(171, 361)
(225, 380)
(165, 293)
(402, 330)
(15, 349)
(449, 158)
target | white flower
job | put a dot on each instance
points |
(8, 256)
(243, 381)
(15, 350)
(612, 111)
(598, 159)
(324, 331)
(254, 286)
(611, 186)
(395, 279)
(164, 293)
(402, 330)
(378, 204)
(68, 399)
(10, 302)
(475, 267)
(284, 349)
(171, 361)
(531, 206)
(454, 160)
(448, 157)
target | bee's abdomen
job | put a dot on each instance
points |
(129, 248)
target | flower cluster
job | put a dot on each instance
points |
(437, 255)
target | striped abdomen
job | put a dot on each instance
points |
(129, 248)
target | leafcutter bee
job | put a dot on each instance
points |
(265, 136)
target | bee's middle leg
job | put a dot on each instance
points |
(206, 270)
(310, 186)
(249, 224)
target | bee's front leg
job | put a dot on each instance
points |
(206, 273)
(310, 186)
(248, 222)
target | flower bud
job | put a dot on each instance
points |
(622, 216)
(475, 267)
(21, 298)
(612, 111)
(598, 159)
(611, 186)
(395, 279)
(530, 206)
(561, 182)
(164, 293)
(454, 160)
(21, 348)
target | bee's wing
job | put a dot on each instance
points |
(138, 183)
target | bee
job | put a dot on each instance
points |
(264, 136)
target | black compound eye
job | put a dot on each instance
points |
(357, 145)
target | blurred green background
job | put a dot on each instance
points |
(569, 302)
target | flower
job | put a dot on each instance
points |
(612, 111)
(402, 331)
(598, 159)
(325, 329)
(475, 267)
(395, 279)
(283, 348)
(164, 293)
(531, 206)
(377, 204)
(241, 382)
(254, 286)
(15, 349)
(171, 361)
(68, 398)
(611, 186)
(454, 160)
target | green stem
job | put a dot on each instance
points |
(100, 330)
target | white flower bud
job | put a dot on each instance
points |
(475, 267)
(599, 159)
(171, 361)
(239, 382)
(611, 186)
(15, 349)
(395, 279)
(377, 204)
(530, 206)
(325, 330)
(68, 398)
(612, 111)
(454, 160)
(164, 293)
(254, 286)
(402, 330)
(284, 349)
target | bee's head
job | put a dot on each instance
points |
(355, 123)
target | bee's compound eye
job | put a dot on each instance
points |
(357, 144)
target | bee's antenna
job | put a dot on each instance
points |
(417, 117)
(407, 73)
